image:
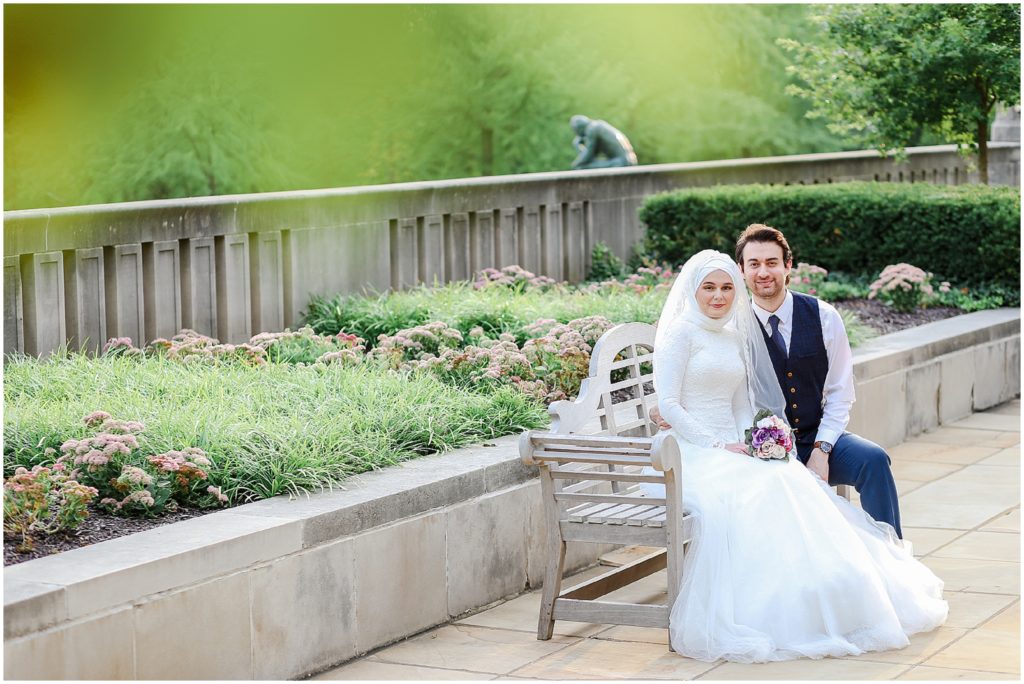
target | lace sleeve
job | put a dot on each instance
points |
(670, 361)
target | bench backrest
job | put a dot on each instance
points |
(617, 396)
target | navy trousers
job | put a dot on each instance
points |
(864, 465)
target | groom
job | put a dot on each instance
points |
(811, 354)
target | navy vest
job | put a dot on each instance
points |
(802, 375)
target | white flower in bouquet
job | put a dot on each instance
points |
(770, 449)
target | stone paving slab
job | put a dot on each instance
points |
(1008, 522)
(830, 669)
(369, 669)
(937, 452)
(596, 659)
(960, 496)
(922, 647)
(928, 539)
(478, 649)
(970, 609)
(983, 546)
(929, 673)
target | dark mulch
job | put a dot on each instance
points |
(99, 526)
(885, 320)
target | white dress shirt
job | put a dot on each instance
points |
(838, 394)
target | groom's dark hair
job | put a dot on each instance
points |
(759, 232)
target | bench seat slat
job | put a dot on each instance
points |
(642, 517)
(613, 477)
(621, 517)
(608, 513)
(610, 498)
(594, 449)
(591, 458)
(579, 513)
(587, 440)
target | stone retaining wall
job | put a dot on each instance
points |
(234, 265)
(287, 587)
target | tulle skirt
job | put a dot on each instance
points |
(781, 567)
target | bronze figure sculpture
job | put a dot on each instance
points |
(600, 145)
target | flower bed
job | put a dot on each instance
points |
(265, 429)
(200, 424)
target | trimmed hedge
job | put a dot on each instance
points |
(966, 234)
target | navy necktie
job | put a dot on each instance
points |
(774, 321)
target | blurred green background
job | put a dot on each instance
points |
(128, 102)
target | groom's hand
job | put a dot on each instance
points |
(818, 463)
(656, 418)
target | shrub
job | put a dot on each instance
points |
(638, 256)
(807, 278)
(491, 363)
(189, 346)
(832, 287)
(43, 500)
(837, 291)
(651, 276)
(305, 346)
(980, 297)
(120, 346)
(561, 358)
(112, 463)
(514, 277)
(968, 233)
(604, 264)
(904, 287)
(417, 343)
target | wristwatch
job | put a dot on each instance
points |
(826, 447)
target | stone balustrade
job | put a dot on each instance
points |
(231, 266)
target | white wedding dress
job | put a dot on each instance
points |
(780, 566)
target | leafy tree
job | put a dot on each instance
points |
(186, 135)
(495, 97)
(682, 82)
(160, 101)
(881, 73)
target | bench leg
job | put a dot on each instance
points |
(674, 544)
(552, 587)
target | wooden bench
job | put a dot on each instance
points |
(590, 477)
(590, 473)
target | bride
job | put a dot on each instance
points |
(780, 566)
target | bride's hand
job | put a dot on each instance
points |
(738, 448)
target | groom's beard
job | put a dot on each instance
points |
(766, 290)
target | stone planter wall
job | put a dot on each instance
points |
(287, 587)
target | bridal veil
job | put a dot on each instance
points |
(681, 306)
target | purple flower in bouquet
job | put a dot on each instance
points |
(769, 438)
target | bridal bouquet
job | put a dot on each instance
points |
(769, 438)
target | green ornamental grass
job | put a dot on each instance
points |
(495, 309)
(267, 430)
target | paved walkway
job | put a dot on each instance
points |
(960, 498)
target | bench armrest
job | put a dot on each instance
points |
(665, 454)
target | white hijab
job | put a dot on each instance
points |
(681, 305)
